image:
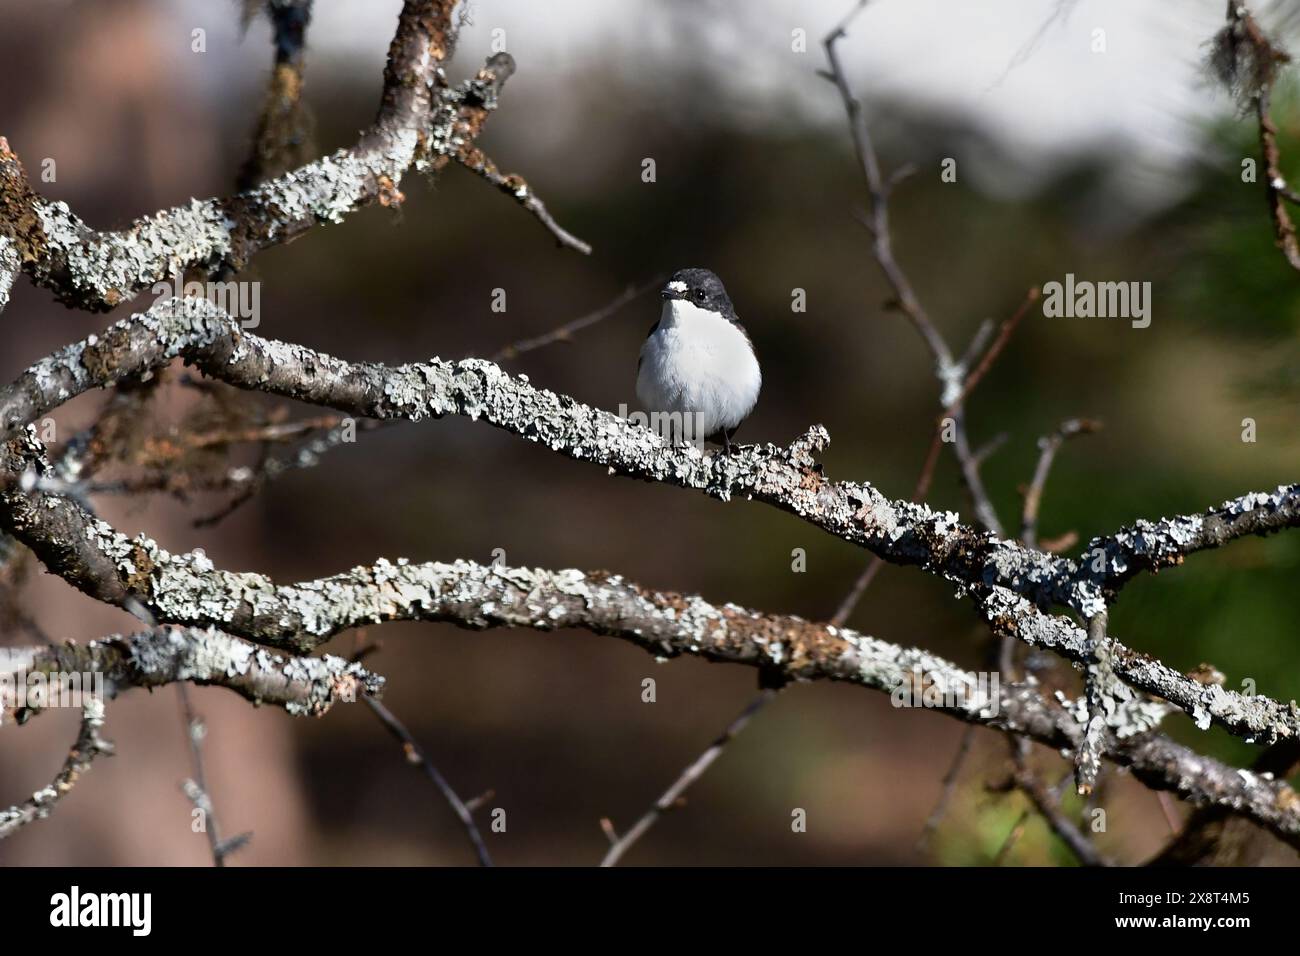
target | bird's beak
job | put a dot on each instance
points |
(665, 294)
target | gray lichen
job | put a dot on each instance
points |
(1009, 580)
(10, 265)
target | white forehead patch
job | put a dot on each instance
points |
(677, 286)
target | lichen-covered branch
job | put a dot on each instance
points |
(166, 655)
(92, 556)
(1257, 718)
(207, 625)
(666, 625)
(83, 752)
(1102, 694)
(421, 122)
(1152, 545)
(902, 532)
(177, 588)
(188, 589)
(10, 266)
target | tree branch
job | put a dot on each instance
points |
(85, 749)
(902, 532)
(667, 625)
(187, 589)
(280, 141)
(10, 266)
(1247, 61)
(564, 333)
(515, 186)
(415, 754)
(197, 788)
(93, 556)
(1048, 447)
(619, 845)
(1256, 718)
(420, 122)
(205, 656)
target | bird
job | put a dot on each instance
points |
(698, 366)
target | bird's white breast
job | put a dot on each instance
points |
(698, 363)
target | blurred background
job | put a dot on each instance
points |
(1115, 166)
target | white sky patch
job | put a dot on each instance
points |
(1145, 99)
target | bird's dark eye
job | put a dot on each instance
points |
(699, 295)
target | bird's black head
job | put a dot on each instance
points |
(701, 288)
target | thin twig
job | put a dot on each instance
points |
(270, 432)
(515, 186)
(1004, 336)
(415, 754)
(986, 451)
(876, 220)
(947, 790)
(956, 411)
(195, 730)
(969, 460)
(1048, 805)
(1247, 61)
(697, 769)
(1048, 446)
(1013, 837)
(1167, 808)
(85, 749)
(197, 788)
(855, 593)
(564, 333)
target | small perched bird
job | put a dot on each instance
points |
(697, 363)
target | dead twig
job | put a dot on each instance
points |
(415, 755)
(564, 333)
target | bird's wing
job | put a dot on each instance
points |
(735, 320)
(641, 357)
